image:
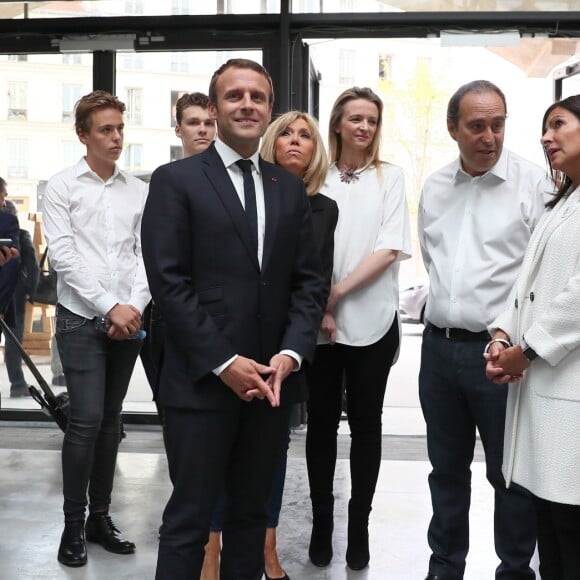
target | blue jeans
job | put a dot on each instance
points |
(456, 398)
(97, 371)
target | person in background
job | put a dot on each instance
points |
(536, 348)
(194, 126)
(28, 275)
(233, 267)
(292, 141)
(9, 258)
(92, 220)
(476, 216)
(197, 132)
(360, 330)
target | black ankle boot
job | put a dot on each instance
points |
(320, 550)
(73, 550)
(357, 551)
(101, 530)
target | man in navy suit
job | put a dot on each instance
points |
(233, 267)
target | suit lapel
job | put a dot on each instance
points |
(219, 178)
(272, 203)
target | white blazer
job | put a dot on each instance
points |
(542, 430)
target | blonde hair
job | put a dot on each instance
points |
(334, 139)
(315, 173)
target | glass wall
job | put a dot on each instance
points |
(77, 9)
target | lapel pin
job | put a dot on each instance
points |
(274, 179)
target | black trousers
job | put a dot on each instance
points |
(558, 540)
(366, 369)
(238, 449)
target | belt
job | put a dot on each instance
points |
(460, 334)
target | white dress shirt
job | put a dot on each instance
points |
(229, 158)
(473, 233)
(93, 231)
(372, 216)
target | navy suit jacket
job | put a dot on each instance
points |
(205, 278)
(9, 272)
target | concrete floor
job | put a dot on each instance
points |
(31, 501)
(31, 520)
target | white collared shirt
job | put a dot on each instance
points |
(473, 233)
(93, 231)
(229, 158)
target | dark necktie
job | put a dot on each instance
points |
(250, 197)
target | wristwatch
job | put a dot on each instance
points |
(528, 351)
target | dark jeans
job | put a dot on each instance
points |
(366, 369)
(97, 371)
(558, 540)
(13, 358)
(457, 398)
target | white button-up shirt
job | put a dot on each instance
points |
(93, 231)
(473, 233)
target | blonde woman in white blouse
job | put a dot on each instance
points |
(360, 333)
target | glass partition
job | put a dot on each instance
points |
(415, 79)
(81, 8)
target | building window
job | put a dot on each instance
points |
(347, 6)
(17, 100)
(179, 6)
(133, 156)
(134, 7)
(70, 95)
(17, 57)
(17, 158)
(71, 152)
(179, 62)
(175, 152)
(346, 58)
(135, 106)
(133, 61)
(385, 67)
(69, 58)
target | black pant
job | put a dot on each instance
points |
(98, 371)
(366, 369)
(456, 398)
(238, 449)
(558, 540)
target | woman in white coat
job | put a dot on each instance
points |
(542, 321)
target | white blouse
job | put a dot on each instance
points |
(372, 216)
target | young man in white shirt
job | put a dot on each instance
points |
(92, 220)
(476, 217)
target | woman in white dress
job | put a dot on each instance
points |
(360, 332)
(535, 347)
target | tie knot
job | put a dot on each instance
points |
(245, 165)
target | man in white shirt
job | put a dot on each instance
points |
(476, 216)
(92, 220)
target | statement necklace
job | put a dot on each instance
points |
(348, 174)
